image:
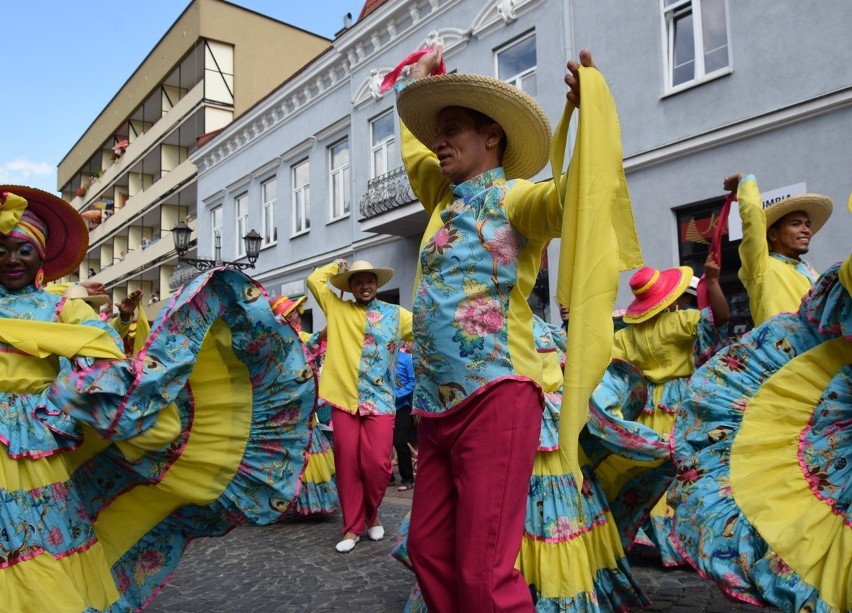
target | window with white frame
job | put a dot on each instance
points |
(268, 198)
(301, 197)
(241, 209)
(338, 179)
(516, 64)
(696, 40)
(383, 144)
(216, 219)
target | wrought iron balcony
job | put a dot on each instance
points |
(386, 193)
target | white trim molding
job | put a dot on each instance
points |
(740, 130)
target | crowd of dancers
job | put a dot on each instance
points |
(545, 452)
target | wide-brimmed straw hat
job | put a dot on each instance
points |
(817, 206)
(523, 120)
(67, 235)
(654, 290)
(78, 292)
(341, 279)
(285, 305)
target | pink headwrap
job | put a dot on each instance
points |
(33, 230)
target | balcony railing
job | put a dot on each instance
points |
(386, 193)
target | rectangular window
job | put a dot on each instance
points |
(216, 218)
(696, 39)
(338, 179)
(516, 64)
(383, 144)
(269, 197)
(301, 197)
(241, 206)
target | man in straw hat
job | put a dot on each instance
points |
(470, 143)
(358, 382)
(774, 239)
(290, 310)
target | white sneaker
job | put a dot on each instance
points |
(347, 545)
(376, 533)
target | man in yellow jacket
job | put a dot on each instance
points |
(774, 239)
(358, 382)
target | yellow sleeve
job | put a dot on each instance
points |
(424, 171)
(339, 380)
(754, 250)
(76, 311)
(120, 328)
(405, 319)
(318, 285)
(535, 209)
(57, 289)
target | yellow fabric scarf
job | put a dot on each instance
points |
(42, 338)
(598, 241)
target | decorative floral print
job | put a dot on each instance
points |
(468, 269)
(122, 398)
(711, 529)
(378, 360)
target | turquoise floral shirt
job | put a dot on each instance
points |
(468, 269)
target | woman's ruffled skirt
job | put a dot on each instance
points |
(204, 430)
(627, 440)
(763, 454)
(318, 488)
(571, 554)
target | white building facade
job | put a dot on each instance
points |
(704, 88)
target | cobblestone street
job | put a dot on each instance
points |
(293, 566)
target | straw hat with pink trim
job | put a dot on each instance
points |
(285, 305)
(655, 290)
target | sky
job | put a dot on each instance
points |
(62, 61)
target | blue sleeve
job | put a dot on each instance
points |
(404, 380)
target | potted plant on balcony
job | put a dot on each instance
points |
(81, 191)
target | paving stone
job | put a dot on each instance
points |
(293, 567)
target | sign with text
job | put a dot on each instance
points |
(293, 288)
(735, 222)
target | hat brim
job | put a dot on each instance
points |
(96, 300)
(293, 305)
(67, 235)
(341, 279)
(817, 206)
(676, 281)
(524, 122)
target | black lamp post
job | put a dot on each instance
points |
(181, 234)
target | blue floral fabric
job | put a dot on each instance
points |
(461, 328)
(758, 537)
(628, 431)
(218, 332)
(378, 360)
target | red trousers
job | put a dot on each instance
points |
(362, 465)
(467, 518)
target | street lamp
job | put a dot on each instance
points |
(181, 235)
